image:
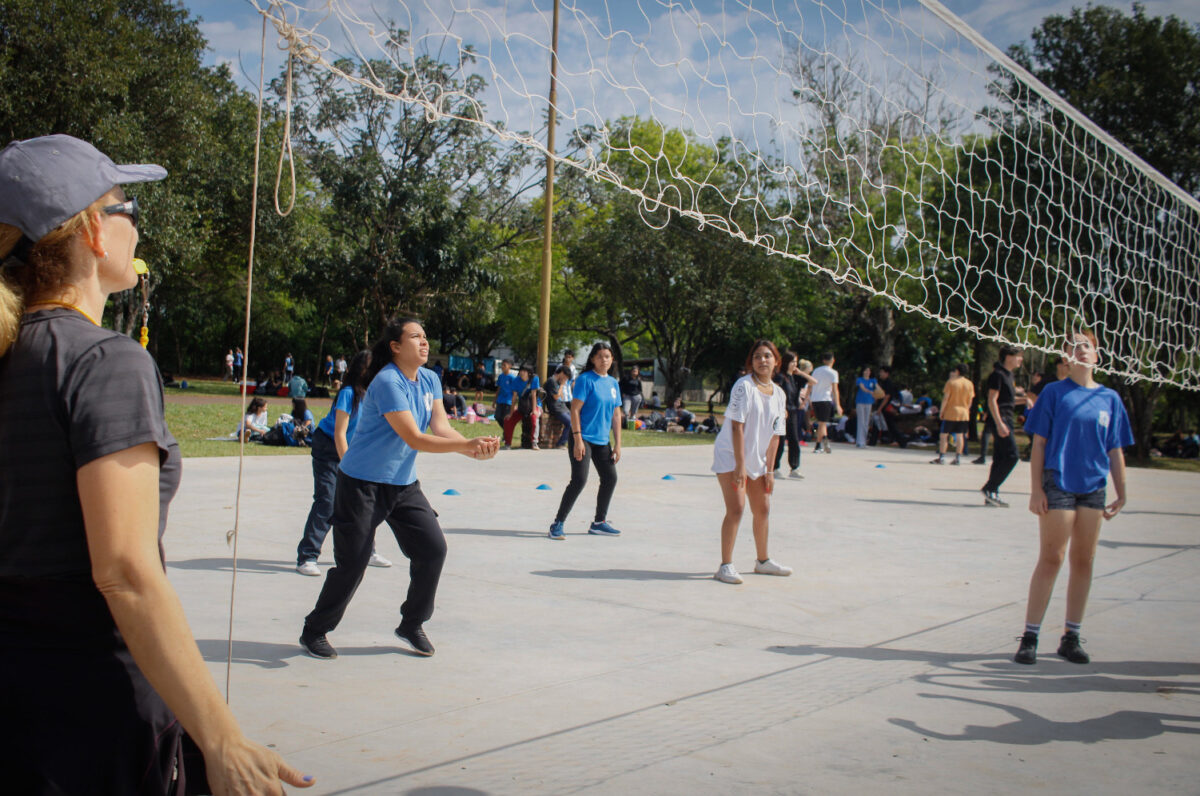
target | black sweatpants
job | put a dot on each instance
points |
(358, 508)
(1004, 459)
(792, 429)
(602, 457)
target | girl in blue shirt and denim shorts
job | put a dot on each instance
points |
(1079, 429)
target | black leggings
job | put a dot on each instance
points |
(358, 508)
(602, 457)
(1003, 461)
(792, 427)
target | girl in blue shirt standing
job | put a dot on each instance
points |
(1079, 429)
(329, 444)
(377, 482)
(596, 424)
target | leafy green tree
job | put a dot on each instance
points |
(127, 75)
(1137, 77)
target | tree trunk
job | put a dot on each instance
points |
(1141, 399)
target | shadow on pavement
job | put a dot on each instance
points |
(978, 505)
(622, 574)
(269, 655)
(1030, 729)
(495, 532)
(226, 565)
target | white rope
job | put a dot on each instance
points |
(233, 535)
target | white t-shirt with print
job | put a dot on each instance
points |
(826, 378)
(763, 417)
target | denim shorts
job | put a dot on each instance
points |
(1057, 499)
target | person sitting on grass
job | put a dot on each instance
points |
(256, 423)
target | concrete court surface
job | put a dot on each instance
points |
(617, 665)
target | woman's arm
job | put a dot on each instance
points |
(616, 430)
(119, 497)
(577, 449)
(1116, 466)
(341, 424)
(405, 425)
(1037, 463)
(439, 424)
(738, 437)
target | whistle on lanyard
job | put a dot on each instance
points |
(143, 272)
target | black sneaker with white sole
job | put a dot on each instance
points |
(317, 646)
(415, 639)
(1069, 648)
(993, 499)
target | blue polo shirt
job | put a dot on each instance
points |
(600, 395)
(378, 453)
(506, 385)
(1081, 426)
(866, 390)
(344, 402)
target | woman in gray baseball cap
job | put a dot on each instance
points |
(100, 676)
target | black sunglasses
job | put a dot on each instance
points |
(129, 208)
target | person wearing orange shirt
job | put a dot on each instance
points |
(957, 397)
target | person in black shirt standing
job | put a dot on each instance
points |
(1001, 398)
(100, 675)
(792, 380)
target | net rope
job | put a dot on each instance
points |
(882, 143)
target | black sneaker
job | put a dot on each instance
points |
(993, 499)
(979, 461)
(415, 639)
(1069, 648)
(317, 646)
(1027, 652)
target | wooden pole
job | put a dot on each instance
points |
(543, 354)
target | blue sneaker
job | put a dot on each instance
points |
(603, 529)
(556, 531)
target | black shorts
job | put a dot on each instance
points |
(1058, 499)
(956, 426)
(823, 411)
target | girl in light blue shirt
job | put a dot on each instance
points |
(401, 415)
(596, 434)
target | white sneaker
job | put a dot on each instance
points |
(770, 567)
(378, 560)
(727, 574)
(308, 568)
(796, 474)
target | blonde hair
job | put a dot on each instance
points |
(805, 365)
(46, 271)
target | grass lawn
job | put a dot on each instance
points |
(193, 425)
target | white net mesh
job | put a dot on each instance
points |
(883, 144)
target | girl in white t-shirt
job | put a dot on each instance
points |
(744, 457)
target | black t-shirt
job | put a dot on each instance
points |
(70, 392)
(631, 385)
(791, 390)
(888, 388)
(1001, 380)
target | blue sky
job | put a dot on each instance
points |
(233, 26)
(715, 70)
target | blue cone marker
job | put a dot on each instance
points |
(452, 492)
(544, 486)
(668, 477)
(880, 467)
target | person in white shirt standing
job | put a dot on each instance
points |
(826, 402)
(744, 457)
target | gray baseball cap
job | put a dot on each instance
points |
(44, 181)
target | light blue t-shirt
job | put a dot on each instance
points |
(378, 453)
(866, 390)
(1081, 426)
(345, 402)
(506, 385)
(600, 395)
